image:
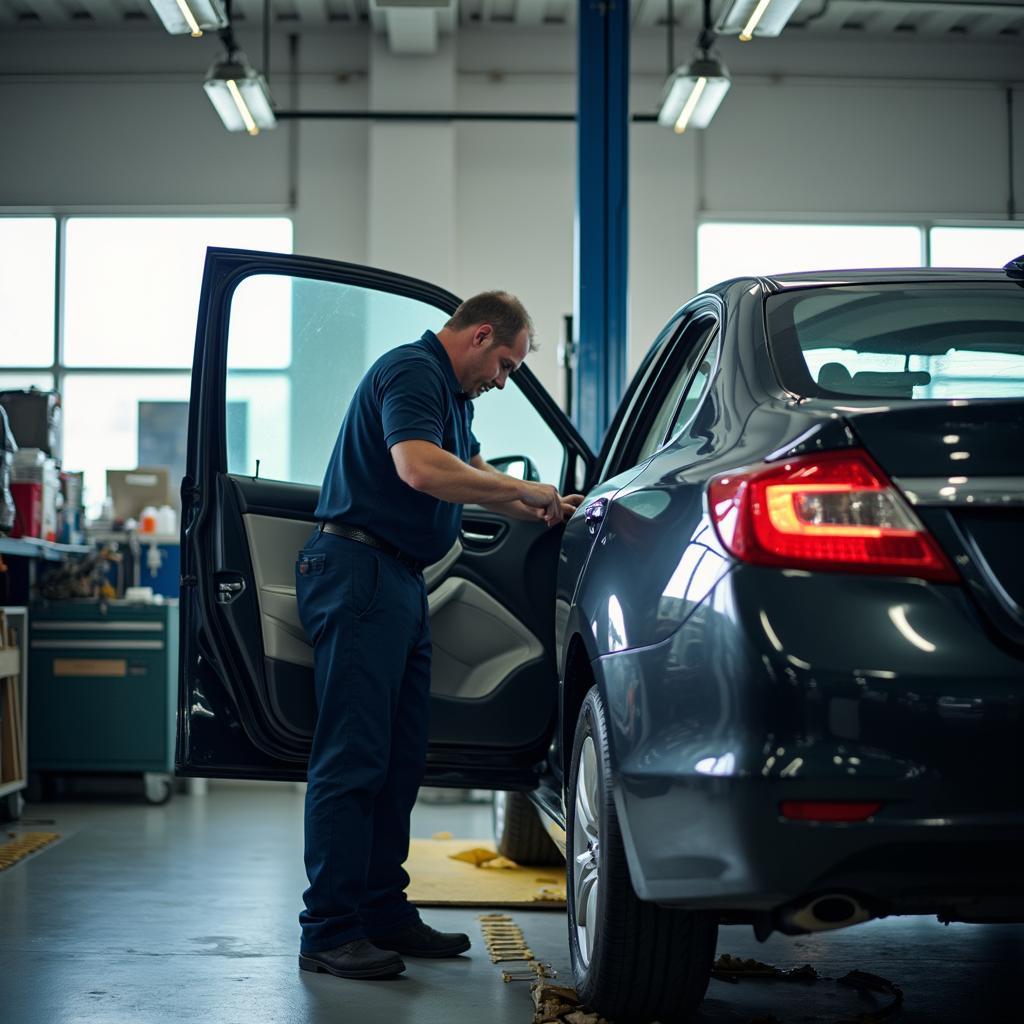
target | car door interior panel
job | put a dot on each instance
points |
(482, 652)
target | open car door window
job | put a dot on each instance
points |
(282, 343)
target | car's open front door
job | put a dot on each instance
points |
(282, 342)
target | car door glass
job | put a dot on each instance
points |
(297, 349)
(695, 389)
(506, 424)
(692, 349)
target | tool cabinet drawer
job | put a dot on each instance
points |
(101, 689)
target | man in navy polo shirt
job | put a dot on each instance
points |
(404, 464)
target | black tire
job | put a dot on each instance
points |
(647, 962)
(518, 832)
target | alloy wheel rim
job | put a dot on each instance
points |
(586, 850)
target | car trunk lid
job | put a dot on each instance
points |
(960, 464)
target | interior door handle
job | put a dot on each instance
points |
(594, 513)
(482, 532)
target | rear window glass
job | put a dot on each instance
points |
(942, 340)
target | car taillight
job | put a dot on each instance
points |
(833, 510)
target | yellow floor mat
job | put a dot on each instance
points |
(468, 873)
(22, 844)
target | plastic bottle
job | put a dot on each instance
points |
(147, 521)
(166, 521)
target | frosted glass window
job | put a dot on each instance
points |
(742, 250)
(28, 253)
(132, 283)
(976, 247)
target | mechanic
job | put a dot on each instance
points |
(404, 464)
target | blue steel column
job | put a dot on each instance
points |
(602, 225)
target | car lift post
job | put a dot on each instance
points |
(601, 238)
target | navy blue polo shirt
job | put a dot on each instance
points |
(410, 394)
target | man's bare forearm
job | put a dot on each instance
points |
(425, 467)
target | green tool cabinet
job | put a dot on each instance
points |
(103, 690)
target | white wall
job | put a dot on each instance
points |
(819, 128)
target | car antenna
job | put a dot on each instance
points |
(257, 476)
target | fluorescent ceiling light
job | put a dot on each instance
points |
(693, 93)
(751, 18)
(191, 16)
(240, 95)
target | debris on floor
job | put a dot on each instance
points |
(864, 981)
(549, 895)
(536, 970)
(441, 835)
(504, 939)
(557, 1004)
(499, 863)
(506, 943)
(733, 969)
(478, 856)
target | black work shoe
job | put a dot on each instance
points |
(420, 939)
(356, 959)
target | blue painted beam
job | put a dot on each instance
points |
(602, 221)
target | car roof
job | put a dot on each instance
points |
(893, 275)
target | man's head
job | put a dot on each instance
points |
(487, 338)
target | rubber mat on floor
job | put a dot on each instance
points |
(22, 844)
(467, 873)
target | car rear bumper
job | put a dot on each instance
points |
(811, 687)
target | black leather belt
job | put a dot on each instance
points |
(362, 537)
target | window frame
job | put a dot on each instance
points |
(652, 390)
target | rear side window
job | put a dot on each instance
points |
(942, 340)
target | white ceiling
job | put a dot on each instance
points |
(976, 19)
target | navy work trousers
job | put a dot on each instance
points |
(366, 614)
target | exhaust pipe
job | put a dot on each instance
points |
(823, 913)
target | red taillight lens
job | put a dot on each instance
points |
(834, 511)
(829, 810)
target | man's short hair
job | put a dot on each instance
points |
(504, 312)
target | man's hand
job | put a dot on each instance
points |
(545, 500)
(570, 502)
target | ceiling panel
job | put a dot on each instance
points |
(977, 19)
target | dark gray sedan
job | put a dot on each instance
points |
(771, 672)
(791, 628)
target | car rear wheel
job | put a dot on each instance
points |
(518, 832)
(633, 961)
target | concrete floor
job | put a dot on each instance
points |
(154, 915)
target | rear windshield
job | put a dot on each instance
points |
(942, 340)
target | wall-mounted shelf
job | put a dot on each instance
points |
(34, 547)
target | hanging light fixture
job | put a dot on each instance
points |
(694, 91)
(190, 16)
(239, 94)
(752, 18)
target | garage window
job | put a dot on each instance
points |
(975, 247)
(28, 260)
(726, 250)
(129, 287)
